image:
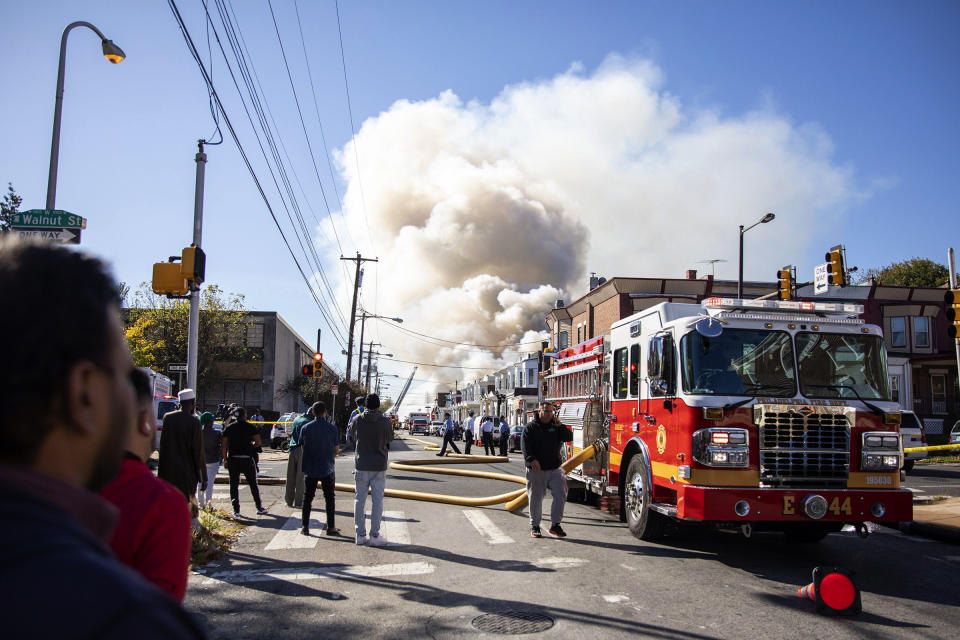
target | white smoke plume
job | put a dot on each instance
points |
(482, 215)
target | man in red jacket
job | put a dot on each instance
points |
(153, 533)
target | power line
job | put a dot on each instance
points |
(212, 90)
(353, 128)
(464, 344)
(441, 366)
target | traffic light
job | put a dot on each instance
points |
(952, 299)
(785, 282)
(307, 370)
(167, 280)
(836, 273)
(193, 264)
(318, 365)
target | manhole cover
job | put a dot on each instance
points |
(512, 622)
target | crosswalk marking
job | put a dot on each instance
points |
(313, 573)
(289, 537)
(393, 527)
(484, 525)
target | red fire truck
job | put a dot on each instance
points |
(761, 414)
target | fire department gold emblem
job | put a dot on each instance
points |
(661, 439)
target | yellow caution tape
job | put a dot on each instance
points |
(939, 447)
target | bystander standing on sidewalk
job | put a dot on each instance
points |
(293, 491)
(153, 532)
(320, 443)
(212, 456)
(181, 447)
(372, 433)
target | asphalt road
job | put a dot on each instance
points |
(450, 565)
(934, 480)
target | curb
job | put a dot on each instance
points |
(930, 530)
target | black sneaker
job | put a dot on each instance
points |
(305, 531)
(535, 532)
(557, 531)
(333, 532)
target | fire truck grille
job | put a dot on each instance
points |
(800, 449)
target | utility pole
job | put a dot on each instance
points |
(363, 327)
(369, 356)
(353, 308)
(953, 285)
(193, 329)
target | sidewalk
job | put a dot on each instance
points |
(940, 520)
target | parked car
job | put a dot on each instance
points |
(513, 444)
(419, 426)
(955, 435)
(912, 434)
(281, 430)
(436, 428)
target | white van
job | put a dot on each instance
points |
(163, 399)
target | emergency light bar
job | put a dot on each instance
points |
(784, 305)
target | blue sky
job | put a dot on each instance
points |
(873, 85)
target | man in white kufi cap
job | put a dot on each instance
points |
(181, 447)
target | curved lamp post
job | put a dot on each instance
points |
(767, 218)
(111, 52)
(363, 323)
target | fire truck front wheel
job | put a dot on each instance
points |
(644, 523)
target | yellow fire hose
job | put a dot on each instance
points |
(939, 447)
(521, 500)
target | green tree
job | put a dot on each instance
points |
(9, 206)
(156, 330)
(916, 272)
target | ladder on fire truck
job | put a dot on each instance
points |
(403, 392)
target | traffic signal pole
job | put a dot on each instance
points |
(193, 329)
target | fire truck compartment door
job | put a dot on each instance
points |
(571, 414)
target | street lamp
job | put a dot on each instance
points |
(767, 218)
(111, 52)
(363, 323)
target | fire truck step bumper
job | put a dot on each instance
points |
(735, 504)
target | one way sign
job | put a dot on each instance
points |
(64, 236)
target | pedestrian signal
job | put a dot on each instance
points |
(952, 299)
(307, 370)
(836, 273)
(785, 282)
(168, 281)
(193, 264)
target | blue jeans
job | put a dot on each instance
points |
(376, 482)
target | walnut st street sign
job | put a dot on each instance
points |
(42, 218)
(55, 225)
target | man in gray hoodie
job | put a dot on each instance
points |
(372, 433)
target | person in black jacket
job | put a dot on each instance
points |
(66, 406)
(541, 441)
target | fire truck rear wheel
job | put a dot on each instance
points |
(644, 523)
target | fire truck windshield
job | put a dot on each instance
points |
(838, 365)
(738, 362)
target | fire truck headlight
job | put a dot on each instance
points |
(878, 510)
(815, 506)
(880, 451)
(874, 442)
(721, 447)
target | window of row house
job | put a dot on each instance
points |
(898, 332)
(921, 331)
(635, 370)
(620, 373)
(564, 340)
(579, 334)
(255, 335)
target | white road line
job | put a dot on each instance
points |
(393, 527)
(616, 599)
(916, 490)
(559, 563)
(289, 535)
(484, 525)
(313, 573)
